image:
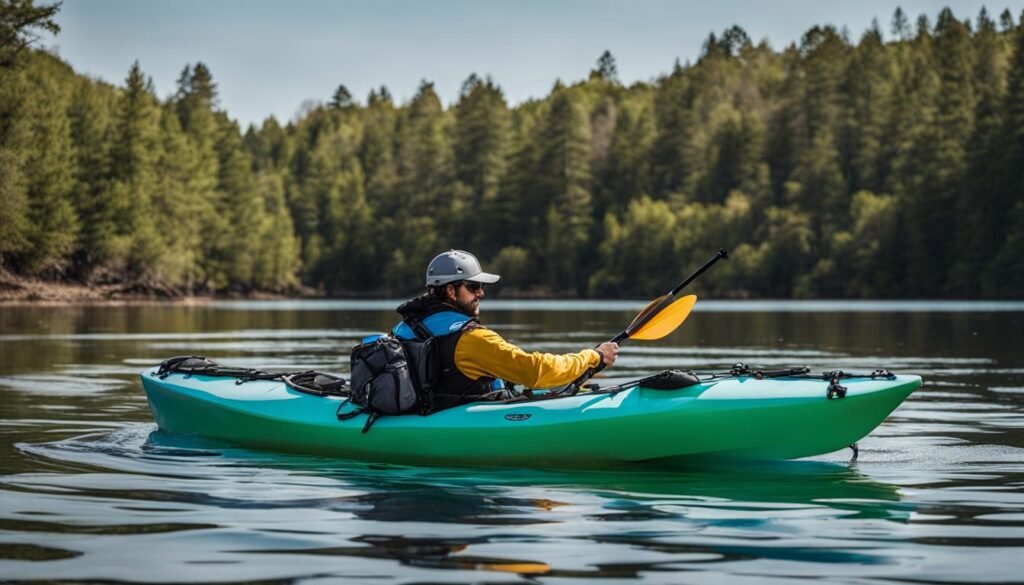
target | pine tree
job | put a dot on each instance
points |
(735, 153)
(481, 142)
(981, 214)
(818, 185)
(14, 137)
(270, 147)
(932, 200)
(276, 248)
(424, 156)
(867, 93)
(673, 154)
(50, 171)
(900, 25)
(912, 140)
(735, 41)
(377, 151)
(626, 175)
(194, 103)
(519, 196)
(339, 250)
(605, 69)
(563, 180)
(1006, 21)
(421, 204)
(178, 211)
(1003, 277)
(233, 255)
(341, 98)
(825, 53)
(19, 21)
(350, 260)
(133, 246)
(91, 113)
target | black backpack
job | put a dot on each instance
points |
(393, 377)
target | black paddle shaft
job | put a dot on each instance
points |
(575, 385)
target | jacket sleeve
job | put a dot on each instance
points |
(483, 353)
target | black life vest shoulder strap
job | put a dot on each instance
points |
(419, 328)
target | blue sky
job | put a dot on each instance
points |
(269, 57)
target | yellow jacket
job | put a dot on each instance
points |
(481, 352)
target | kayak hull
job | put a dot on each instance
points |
(781, 418)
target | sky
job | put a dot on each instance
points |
(268, 58)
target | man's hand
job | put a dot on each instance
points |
(609, 352)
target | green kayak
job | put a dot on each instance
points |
(742, 416)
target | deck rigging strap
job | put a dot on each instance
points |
(321, 384)
(308, 381)
(677, 379)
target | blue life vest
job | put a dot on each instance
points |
(438, 324)
(447, 326)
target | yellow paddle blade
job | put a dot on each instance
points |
(667, 320)
(650, 307)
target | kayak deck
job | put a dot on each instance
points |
(778, 418)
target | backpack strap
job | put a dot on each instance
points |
(350, 414)
(370, 419)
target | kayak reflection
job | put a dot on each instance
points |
(320, 513)
(492, 496)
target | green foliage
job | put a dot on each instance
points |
(50, 174)
(635, 249)
(341, 98)
(19, 20)
(783, 255)
(563, 183)
(829, 168)
(14, 141)
(1003, 274)
(131, 240)
(480, 147)
(513, 264)
(606, 69)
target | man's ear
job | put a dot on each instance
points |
(449, 293)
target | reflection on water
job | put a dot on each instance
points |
(91, 490)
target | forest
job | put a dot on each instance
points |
(890, 165)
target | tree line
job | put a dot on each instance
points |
(887, 167)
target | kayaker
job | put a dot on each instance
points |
(474, 359)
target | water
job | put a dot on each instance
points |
(91, 491)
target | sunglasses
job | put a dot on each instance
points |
(472, 286)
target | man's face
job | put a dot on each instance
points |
(465, 298)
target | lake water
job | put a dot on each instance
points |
(90, 490)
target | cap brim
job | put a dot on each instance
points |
(485, 277)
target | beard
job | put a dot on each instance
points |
(471, 308)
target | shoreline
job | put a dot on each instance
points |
(22, 291)
(17, 290)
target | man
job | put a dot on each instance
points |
(473, 358)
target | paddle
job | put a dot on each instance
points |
(660, 317)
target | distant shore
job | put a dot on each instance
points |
(17, 290)
(23, 290)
